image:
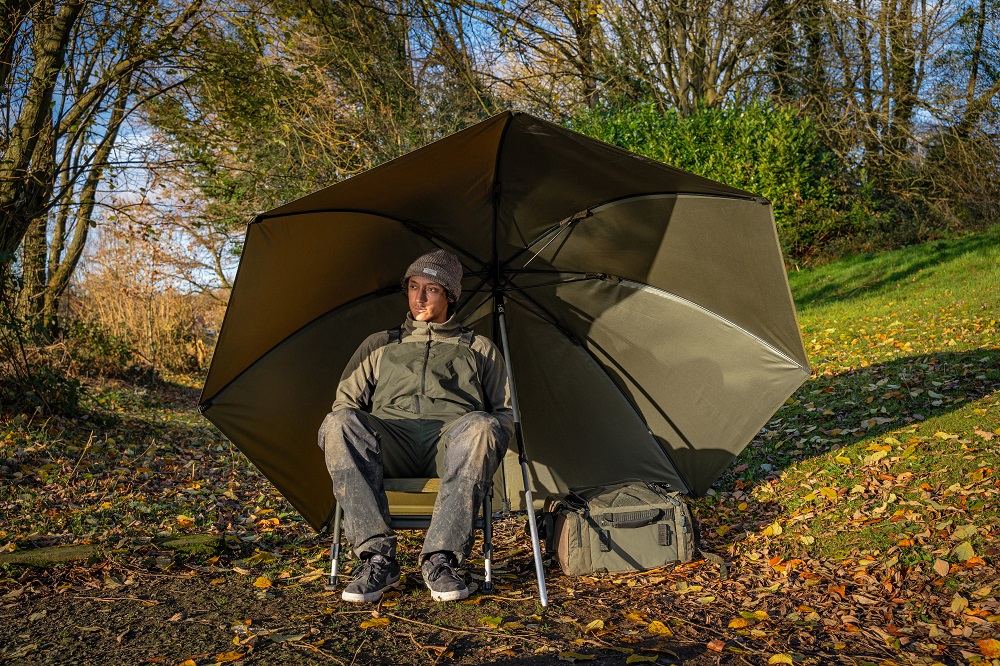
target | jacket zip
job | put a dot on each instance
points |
(423, 373)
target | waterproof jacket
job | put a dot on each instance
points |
(427, 370)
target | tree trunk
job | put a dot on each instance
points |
(33, 252)
(902, 73)
(63, 267)
(15, 173)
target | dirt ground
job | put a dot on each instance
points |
(139, 469)
(148, 606)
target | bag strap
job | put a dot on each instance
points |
(696, 528)
(395, 334)
(467, 336)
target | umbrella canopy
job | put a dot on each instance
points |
(651, 328)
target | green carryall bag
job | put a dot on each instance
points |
(619, 528)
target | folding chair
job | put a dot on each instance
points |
(411, 502)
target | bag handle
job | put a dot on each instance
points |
(633, 518)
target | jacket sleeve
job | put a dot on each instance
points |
(357, 384)
(493, 377)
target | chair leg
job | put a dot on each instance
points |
(335, 549)
(488, 541)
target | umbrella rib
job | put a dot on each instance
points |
(635, 284)
(385, 291)
(544, 313)
(412, 225)
(589, 211)
(663, 293)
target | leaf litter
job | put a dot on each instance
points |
(860, 527)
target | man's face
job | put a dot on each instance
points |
(428, 299)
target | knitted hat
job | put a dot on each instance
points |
(441, 266)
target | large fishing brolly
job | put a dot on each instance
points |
(649, 326)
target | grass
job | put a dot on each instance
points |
(901, 414)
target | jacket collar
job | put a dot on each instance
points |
(430, 330)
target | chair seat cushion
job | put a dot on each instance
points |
(411, 500)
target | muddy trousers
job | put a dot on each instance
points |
(361, 450)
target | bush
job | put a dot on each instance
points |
(43, 389)
(97, 351)
(31, 379)
(763, 149)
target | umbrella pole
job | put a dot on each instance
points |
(536, 547)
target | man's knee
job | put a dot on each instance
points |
(475, 426)
(338, 419)
(336, 426)
(476, 436)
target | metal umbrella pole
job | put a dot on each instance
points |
(536, 547)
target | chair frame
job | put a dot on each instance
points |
(409, 522)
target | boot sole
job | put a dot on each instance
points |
(357, 598)
(453, 595)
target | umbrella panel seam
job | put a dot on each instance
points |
(552, 320)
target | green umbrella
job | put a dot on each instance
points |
(644, 311)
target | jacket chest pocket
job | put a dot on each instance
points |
(452, 374)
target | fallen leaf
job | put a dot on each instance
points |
(774, 529)
(990, 647)
(715, 645)
(964, 532)
(635, 617)
(312, 575)
(262, 582)
(658, 628)
(375, 622)
(780, 659)
(942, 568)
(185, 521)
(641, 658)
(229, 656)
(22, 651)
(959, 604)
(574, 657)
(596, 625)
(739, 623)
(757, 615)
(964, 551)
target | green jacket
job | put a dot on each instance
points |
(431, 371)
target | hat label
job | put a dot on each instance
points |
(431, 271)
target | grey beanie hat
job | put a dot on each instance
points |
(442, 267)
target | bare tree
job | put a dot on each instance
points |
(70, 69)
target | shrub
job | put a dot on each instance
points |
(31, 378)
(761, 148)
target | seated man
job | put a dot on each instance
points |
(427, 399)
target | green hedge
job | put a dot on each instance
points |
(764, 149)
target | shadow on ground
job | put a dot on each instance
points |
(862, 274)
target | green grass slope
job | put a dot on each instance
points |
(883, 467)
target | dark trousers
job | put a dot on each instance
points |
(361, 450)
